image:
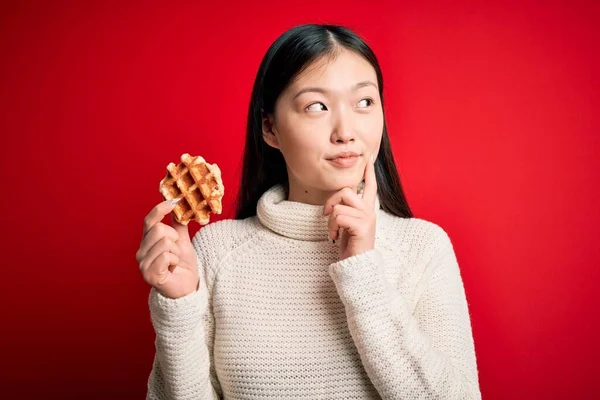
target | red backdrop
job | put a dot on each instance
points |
(493, 114)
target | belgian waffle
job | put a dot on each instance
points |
(199, 186)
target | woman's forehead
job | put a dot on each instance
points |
(341, 72)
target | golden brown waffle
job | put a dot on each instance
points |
(199, 186)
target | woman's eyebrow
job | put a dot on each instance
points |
(324, 91)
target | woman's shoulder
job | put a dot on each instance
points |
(216, 240)
(227, 232)
(415, 234)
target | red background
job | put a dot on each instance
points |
(493, 115)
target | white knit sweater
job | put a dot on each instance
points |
(278, 316)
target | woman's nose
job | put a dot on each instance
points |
(345, 137)
(343, 130)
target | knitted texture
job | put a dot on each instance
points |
(279, 316)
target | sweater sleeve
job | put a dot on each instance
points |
(183, 363)
(426, 355)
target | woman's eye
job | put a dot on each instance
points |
(369, 100)
(321, 107)
(315, 108)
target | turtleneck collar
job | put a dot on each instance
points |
(293, 219)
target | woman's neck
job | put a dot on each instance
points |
(299, 193)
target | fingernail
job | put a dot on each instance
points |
(175, 201)
(372, 158)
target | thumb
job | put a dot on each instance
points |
(181, 229)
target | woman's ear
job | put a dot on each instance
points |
(268, 130)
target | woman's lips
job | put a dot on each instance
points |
(344, 162)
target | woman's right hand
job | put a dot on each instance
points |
(166, 257)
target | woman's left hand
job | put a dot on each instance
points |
(356, 216)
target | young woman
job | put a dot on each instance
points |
(325, 286)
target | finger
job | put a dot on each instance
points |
(338, 210)
(347, 196)
(370, 190)
(158, 213)
(158, 271)
(349, 223)
(157, 232)
(163, 245)
(181, 229)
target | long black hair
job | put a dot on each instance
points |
(295, 50)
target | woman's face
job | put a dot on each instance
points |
(332, 107)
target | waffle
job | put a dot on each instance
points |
(199, 186)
